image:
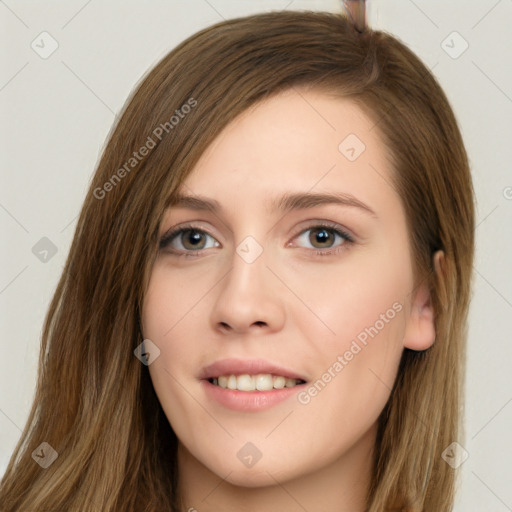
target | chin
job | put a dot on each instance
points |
(254, 478)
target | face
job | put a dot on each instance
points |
(309, 299)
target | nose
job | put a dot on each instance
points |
(250, 298)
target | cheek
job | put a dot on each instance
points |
(165, 319)
(356, 348)
(170, 313)
(164, 316)
(167, 302)
(173, 317)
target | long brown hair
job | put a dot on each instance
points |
(95, 404)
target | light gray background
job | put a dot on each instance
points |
(56, 113)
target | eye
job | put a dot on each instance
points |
(323, 238)
(188, 239)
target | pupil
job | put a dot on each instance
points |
(194, 237)
(322, 235)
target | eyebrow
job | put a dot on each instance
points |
(285, 203)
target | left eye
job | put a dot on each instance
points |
(325, 236)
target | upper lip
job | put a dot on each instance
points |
(246, 366)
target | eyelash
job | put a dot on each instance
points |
(330, 251)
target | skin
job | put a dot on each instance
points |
(291, 306)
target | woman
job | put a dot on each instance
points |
(268, 370)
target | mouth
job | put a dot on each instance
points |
(250, 375)
(258, 382)
(249, 385)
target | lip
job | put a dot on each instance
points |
(237, 367)
(248, 401)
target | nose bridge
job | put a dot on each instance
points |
(248, 268)
(249, 251)
(247, 294)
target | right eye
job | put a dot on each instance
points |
(186, 240)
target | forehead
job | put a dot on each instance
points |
(295, 141)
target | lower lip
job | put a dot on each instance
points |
(248, 400)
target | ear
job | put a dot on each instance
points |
(420, 332)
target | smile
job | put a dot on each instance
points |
(258, 382)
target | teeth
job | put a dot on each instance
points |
(260, 382)
(245, 383)
(279, 382)
(264, 382)
(232, 382)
